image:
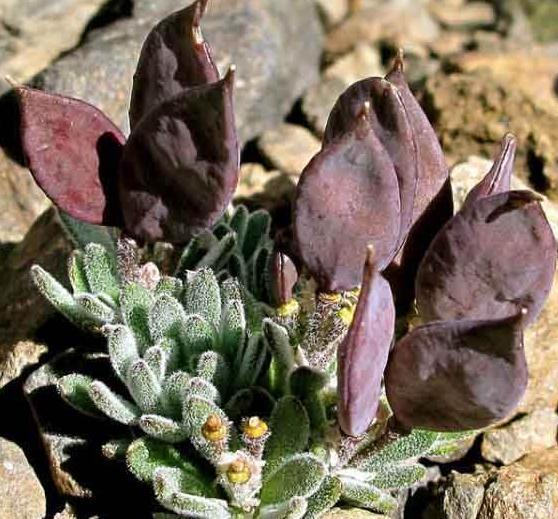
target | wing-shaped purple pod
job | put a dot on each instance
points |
(73, 151)
(363, 354)
(457, 375)
(495, 256)
(388, 119)
(180, 166)
(283, 278)
(347, 198)
(498, 179)
(174, 57)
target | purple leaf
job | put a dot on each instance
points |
(173, 58)
(457, 375)
(498, 179)
(180, 166)
(388, 119)
(497, 255)
(363, 354)
(283, 278)
(73, 151)
(347, 197)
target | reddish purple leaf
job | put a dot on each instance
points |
(363, 354)
(284, 277)
(498, 179)
(180, 166)
(388, 119)
(347, 198)
(457, 375)
(173, 58)
(73, 151)
(495, 256)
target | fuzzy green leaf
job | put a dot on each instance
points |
(96, 310)
(76, 272)
(162, 428)
(361, 493)
(156, 359)
(278, 342)
(396, 477)
(194, 252)
(257, 232)
(203, 297)
(100, 269)
(74, 389)
(237, 268)
(233, 323)
(144, 386)
(213, 368)
(200, 387)
(122, 348)
(174, 392)
(250, 361)
(136, 302)
(83, 233)
(197, 336)
(116, 449)
(167, 318)
(249, 402)
(113, 405)
(298, 475)
(218, 255)
(258, 273)
(295, 508)
(325, 498)
(170, 286)
(239, 222)
(290, 431)
(448, 442)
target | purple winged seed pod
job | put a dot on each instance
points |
(495, 256)
(363, 354)
(457, 375)
(178, 170)
(347, 197)
(283, 278)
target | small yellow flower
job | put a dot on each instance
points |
(346, 314)
(254, 428)
(238, 472)
(288, 309)
(332, 297)
(214, 429)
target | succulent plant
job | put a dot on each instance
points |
(253, 391)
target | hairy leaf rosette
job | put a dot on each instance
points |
(177, 172)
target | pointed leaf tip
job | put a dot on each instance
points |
(457, 375)
(73, 151)
(363, 354)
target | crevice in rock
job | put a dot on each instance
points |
(535, 163)
(110, 12)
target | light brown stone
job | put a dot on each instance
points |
(362, 62)
(319, 100)
(333, 11)
(467, 16)
(21, 493)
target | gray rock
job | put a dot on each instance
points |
(530, 433)
(21, 493)
(319, 100)
(275, 45)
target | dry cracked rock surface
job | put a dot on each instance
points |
(480, 69)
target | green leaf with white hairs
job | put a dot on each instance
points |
(297, 475)
(290, 431)
(200, 387)
(294, 508)
(195, 412)
(258, 271)
(171, 490)
(162, 428)
(113, 405)
(170, 286)
(250, 361)
(239, 222)
(122, 348)
(59, 297)
(212, 367)
(156, 359)
(325, 498)
(203, 297)
(249, 401)
(363, 494)
(259, 225)
(167, 318)
(411, 446)
(448, 442)
(237, 268)
(195, 251)
(83, 233)
(136, 302)
(143, 386)
(233, 327)
(116, 449)
(218, 255)
(398, 476)
(197, 336)
(101, 271)
(97, 310)
(74, 389)
(174, 392)
(278, 342)
(173, 352)
(76, 272)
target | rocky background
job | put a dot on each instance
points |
(480, 68)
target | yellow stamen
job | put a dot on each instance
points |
(254, 428)
(347, 314)
(238, 472)
(332, 297)
(214, 429)
(288, 309)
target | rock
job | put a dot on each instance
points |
(402, 23)
(473, 111)
(449, 43)
(352, 513)
(463, 497)
(543, 18)
(37, 32)
(333, 11)
(319, 100)
(362, 62)
(533, 432)
(470, 15)
(289, 148)
(275, 45)
(23, 496)
(22, 309)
